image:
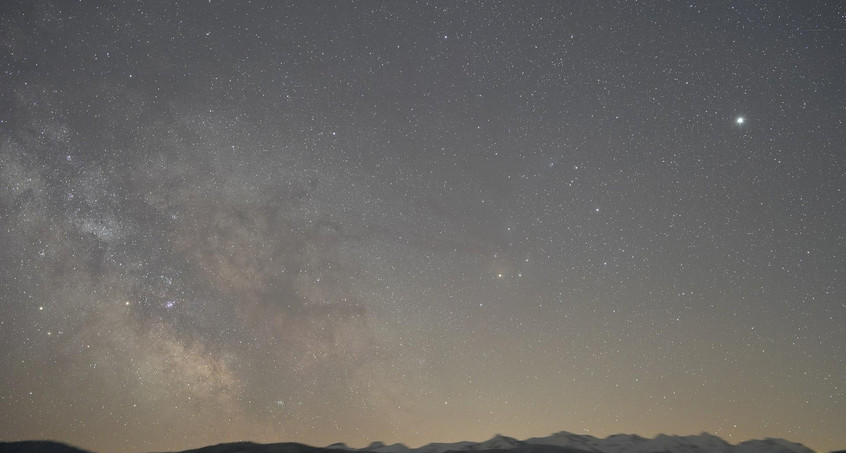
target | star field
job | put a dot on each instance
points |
(421, 221)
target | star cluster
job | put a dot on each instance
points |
(421, 221)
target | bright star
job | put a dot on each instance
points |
(740, 120)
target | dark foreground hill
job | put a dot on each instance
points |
(250, 447)
(38, 446)
(562, 442)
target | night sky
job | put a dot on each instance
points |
(421, 221)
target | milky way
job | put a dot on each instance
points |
(421, 221)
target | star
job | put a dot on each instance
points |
(740, 120)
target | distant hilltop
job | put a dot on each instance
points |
(562, 442)
(565, 442)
